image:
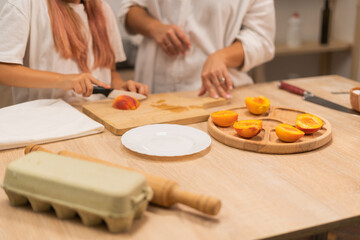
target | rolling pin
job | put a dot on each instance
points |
(166, 191)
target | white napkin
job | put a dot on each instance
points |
(42, 121)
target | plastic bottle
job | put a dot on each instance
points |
(293, 38)
(324, 37)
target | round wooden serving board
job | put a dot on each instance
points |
(267, 141)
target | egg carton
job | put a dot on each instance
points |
(62, 211)
(47, 181)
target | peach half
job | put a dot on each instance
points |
(257, 105)
(288, 133)
(248, 128)
(308, 123)
(125, 102)
(224, 118)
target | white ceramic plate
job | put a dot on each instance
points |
(166, 140)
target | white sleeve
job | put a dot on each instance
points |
(15, 27)
(257, 34)
(114, 33)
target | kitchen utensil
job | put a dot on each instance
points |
(94, 191)
(308, 96)
(267, 141)
(178, 108)
(113, 93)
(341, 92)
(355, 98)
(166, 140)
(166, 192)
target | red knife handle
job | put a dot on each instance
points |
(292, 88)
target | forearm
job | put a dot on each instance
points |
(116, 80)
(19, 76)
(233, 56)
(139, 21)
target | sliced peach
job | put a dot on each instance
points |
(224, 118)
(248, 128)
(125, 102)
(288, 133)
(257, 105)
(308, 123)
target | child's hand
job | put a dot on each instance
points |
(80, 83)
(137, 87)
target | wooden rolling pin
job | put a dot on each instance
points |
(166, 192)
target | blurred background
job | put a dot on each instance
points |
(302, 62)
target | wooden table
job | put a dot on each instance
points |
(264, 196)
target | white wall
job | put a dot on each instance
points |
(343, 25)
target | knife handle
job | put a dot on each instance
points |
(292, 88)
(104, 91)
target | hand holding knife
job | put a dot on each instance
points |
(308, 96)
(113, 93)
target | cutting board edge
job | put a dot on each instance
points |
(93, 116)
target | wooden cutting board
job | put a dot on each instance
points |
(267, 141)
(178, 108)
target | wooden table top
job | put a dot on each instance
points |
(264, 196)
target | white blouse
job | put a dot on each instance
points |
(26, 38)
(210, 25)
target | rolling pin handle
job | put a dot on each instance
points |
(206, 204)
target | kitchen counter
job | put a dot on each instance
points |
(264, 196)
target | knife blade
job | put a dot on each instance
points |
(308, 96)
(113, 93)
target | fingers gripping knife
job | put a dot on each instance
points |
(166, 192)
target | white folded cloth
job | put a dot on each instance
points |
(42, 121)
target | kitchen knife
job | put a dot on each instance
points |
(308, 96)
(113, 93)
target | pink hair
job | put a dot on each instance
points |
(70, 40)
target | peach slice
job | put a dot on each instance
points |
(257, 105)
(125, 102)
(248, 128)
(288, 133)
(308, 123)
(224, 118)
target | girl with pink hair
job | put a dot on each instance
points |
(60, 49)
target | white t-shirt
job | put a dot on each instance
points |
(210, 25)
(26, 38)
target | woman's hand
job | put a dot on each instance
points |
(171, 39)
(215, 77)
(132, 86)
(80, 83)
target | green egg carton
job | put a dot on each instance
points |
(71, 186)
